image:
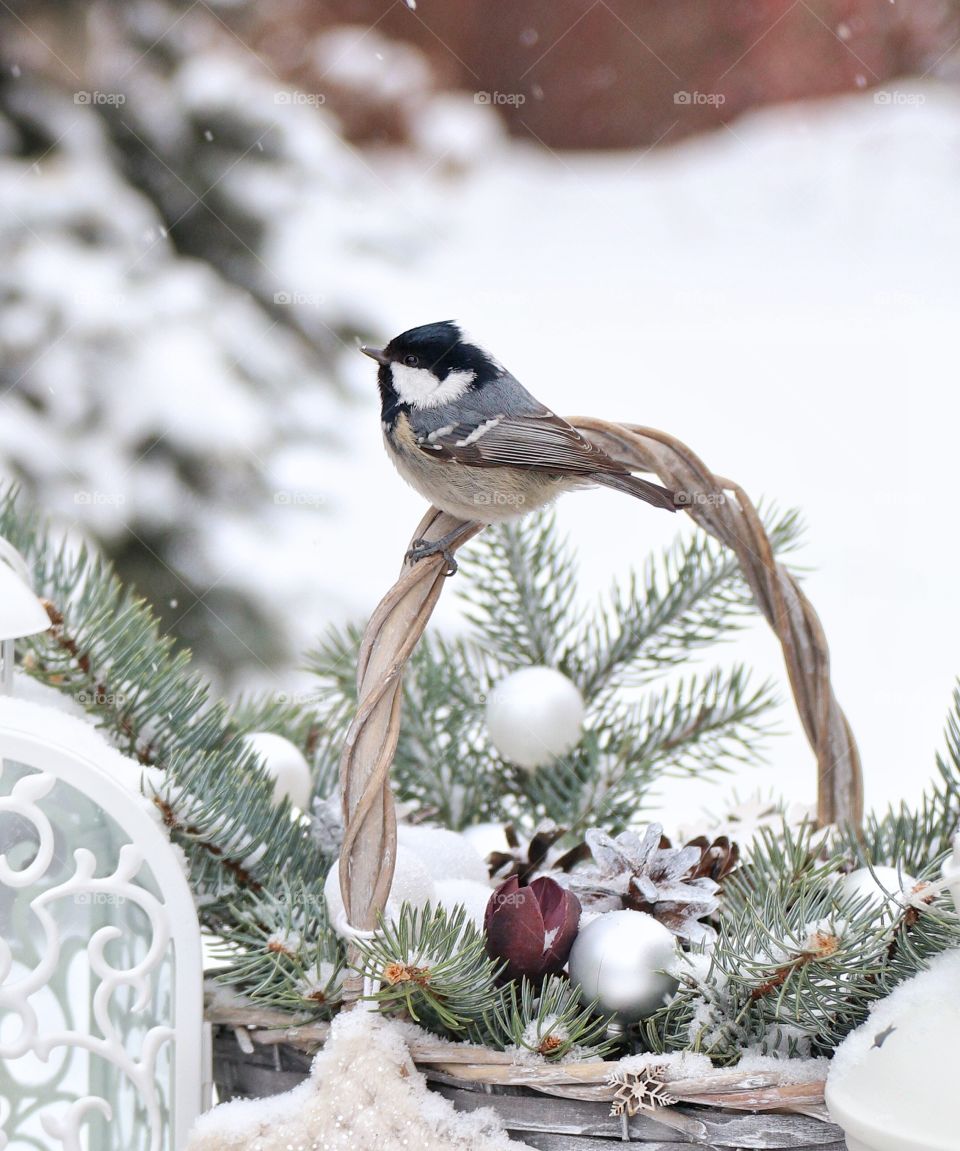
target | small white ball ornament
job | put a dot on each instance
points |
(534, 716)
(951, 872)
(881, 886)
(285, 764)
(625, 960)
(411, 884)
(473, 896)
(486, 838)
(445, 854)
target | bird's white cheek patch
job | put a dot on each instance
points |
(422, 389)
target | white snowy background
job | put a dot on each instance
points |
(781, 295)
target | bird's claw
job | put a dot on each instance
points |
(422, 548)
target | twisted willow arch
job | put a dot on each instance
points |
(720, 507)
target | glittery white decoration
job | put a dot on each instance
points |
(364, 1094)
(487, 838)
(473, 896)
(411, 884)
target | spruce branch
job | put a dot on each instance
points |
(220, 808)
(692, 727)
(106, 651)
(334, 663)
(795, 967)
(521, 592)
(432, 967)
(521, 600)
(282, 951)
(297, 717)
(550, 1021)
(914, 838)
(443, 761)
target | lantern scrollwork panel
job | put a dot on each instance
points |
(101, 1030)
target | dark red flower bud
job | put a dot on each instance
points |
(532, 928)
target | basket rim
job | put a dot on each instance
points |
(474, 1067)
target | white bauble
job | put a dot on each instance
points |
(951, 872)
(534, 716)
(881, 886)
(486, 838)
(473, 896)
(286, 766)
(626, 961)
(891, 1082)
(445, 854)
(411, 884)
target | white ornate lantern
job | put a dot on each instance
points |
(102, 1044)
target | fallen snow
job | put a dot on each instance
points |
(38, 709)
(786, 1070)
(675, 1064)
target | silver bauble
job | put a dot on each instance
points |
(623, 959)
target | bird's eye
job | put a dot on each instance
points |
(412, 361)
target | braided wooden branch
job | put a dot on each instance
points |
(721, 508)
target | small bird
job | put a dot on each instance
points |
(471, 439)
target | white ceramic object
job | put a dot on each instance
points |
(892, 1082)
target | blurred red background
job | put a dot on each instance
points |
(615, 73)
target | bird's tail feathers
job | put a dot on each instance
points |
(650, 493)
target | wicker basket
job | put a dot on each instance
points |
(565, 1107)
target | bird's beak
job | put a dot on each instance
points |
(375, 354)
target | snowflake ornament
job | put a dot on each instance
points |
(636, 1091)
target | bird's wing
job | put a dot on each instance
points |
(538, 440)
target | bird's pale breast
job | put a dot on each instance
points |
(471, 493)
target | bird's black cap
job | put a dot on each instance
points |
(440, 347)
